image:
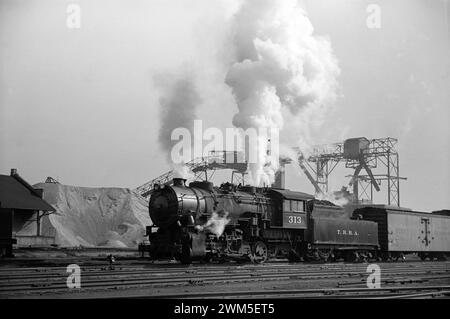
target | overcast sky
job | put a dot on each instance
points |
(80, 105)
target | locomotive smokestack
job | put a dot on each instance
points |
(179, 182)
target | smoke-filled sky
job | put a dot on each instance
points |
(82, 105)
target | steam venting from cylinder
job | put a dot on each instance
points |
(215, 224)
(280, 70)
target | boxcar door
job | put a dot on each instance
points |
(425, 232)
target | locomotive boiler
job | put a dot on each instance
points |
(203, 222)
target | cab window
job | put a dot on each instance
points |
(287, 205)
(297, 206)
(293, 206)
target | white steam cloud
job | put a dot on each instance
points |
(215, 224)
(280, 65)
(336, 198)
(182, 171)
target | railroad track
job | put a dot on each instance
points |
(47, 271)
(12, 279)
(16, 281)
(325, 293)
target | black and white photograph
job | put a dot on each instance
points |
(220, 157)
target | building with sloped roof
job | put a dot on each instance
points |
(23, 213)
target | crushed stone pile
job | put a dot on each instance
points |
(96, 217)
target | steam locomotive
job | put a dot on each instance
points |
(203, 222)
(258, 223)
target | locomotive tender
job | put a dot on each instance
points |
(258, 223)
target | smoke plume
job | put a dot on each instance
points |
(178, 103)
(215, 224)
(182, 171)
(279, 64)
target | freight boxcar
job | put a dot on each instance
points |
(403, 231)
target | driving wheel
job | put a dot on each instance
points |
(259, 252)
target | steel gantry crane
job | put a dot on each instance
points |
(358, 154)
